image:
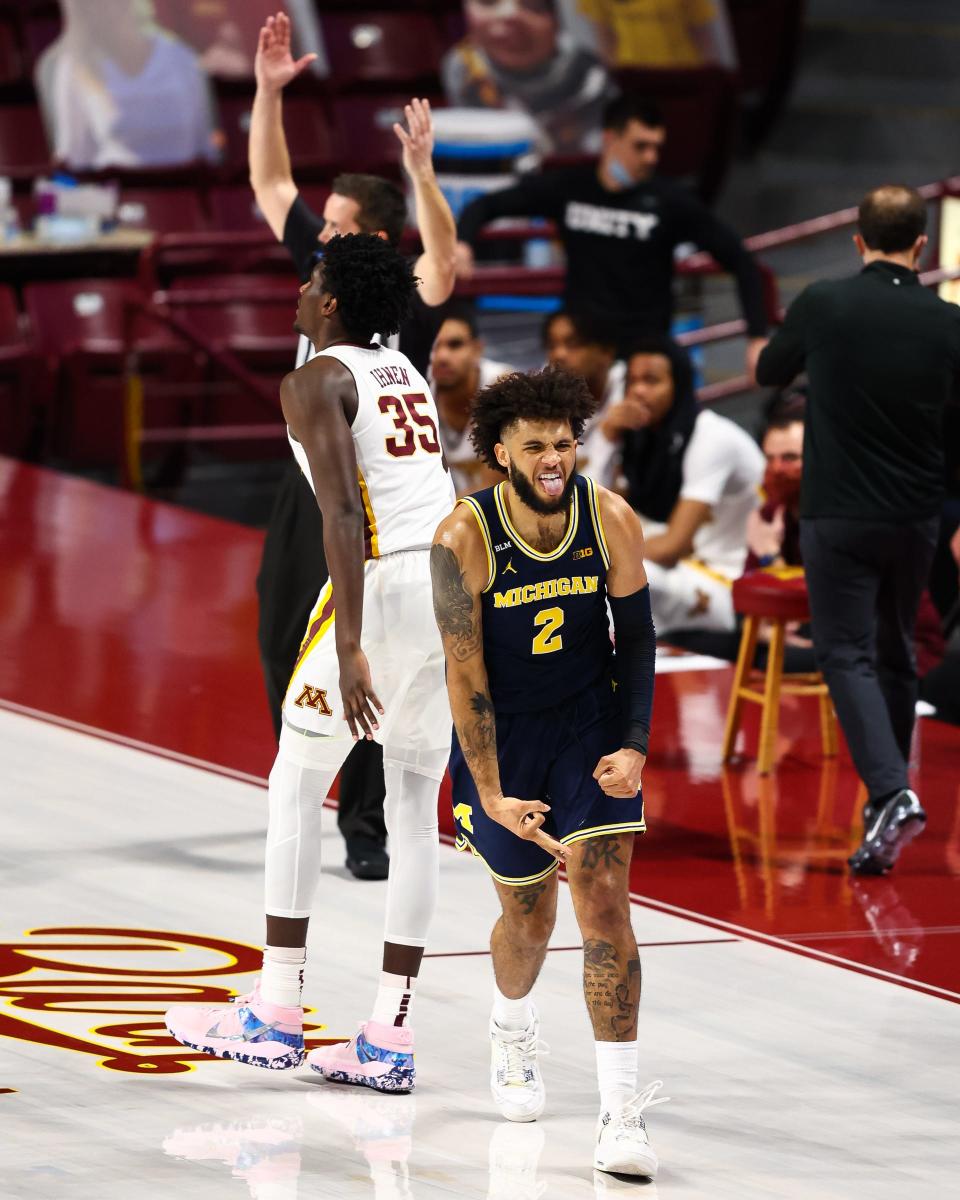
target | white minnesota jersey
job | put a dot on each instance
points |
(404, 482)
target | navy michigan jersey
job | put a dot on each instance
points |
(545, 630)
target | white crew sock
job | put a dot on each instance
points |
(512, 1015)
(616, 1074)
(394, 999)
(281, 980)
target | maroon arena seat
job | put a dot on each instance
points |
(163, 210)
(381, 48)
(22, 407)
(23, 141)
(41, 27)
(364, 131)
(700, 109)
(233, 207)
(12, 66)
(246, 284)
(78, 326)
(780, 597)
(305, 124)
(260, 335)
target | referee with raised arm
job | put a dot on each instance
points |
(882, 355)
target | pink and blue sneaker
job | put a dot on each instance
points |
(249, 1029)
(378, 1057)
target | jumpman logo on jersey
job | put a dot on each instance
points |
(510, 567)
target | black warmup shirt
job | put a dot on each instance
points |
(417, 333)
(620, 245)
(882, 355)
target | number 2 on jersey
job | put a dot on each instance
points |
(404, 410)
(548, 621)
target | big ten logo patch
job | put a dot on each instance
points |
(315, 698)
(103, 992)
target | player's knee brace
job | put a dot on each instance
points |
(296, 797)
(410, 813)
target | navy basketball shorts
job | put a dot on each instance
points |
(548, 755)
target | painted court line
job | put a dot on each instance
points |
(868, 933)
(741, 931)
(769, 939)
(119, 739)
(562, 949)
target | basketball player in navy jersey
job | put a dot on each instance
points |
(548, 750)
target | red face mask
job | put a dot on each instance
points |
(782, 485)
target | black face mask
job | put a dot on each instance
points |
(530, 497)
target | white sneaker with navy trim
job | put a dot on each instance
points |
(623, 1147)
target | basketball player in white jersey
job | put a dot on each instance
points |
(363, 427)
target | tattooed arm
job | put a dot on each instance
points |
(458, 565)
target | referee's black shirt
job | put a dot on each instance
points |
(882, 355)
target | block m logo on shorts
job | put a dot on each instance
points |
(311, 697)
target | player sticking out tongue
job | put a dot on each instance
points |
(547, 490)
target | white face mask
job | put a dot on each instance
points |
(619, 173)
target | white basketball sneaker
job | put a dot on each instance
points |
(515, 1080)
(622, 1143)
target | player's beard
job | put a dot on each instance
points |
(529, 496)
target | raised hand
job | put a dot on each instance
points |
(273, 65)
(417, 139)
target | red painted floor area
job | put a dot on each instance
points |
(134, 617)
(139, 619)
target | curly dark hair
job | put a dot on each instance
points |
(373, 284)
(548, 395)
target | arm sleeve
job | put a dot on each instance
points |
(300, 232)
(636, 653)
(782, 359)
(534, 196)
(702, 228)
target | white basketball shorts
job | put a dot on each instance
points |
(402, 643)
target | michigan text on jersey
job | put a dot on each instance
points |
(547, 589)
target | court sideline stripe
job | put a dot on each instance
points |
(721, 941)
(740, 931)
(120, 739)
(771, 939)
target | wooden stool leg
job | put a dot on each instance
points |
(771, 698)
(748, 647)
(828, 726)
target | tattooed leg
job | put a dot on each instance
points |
(598, 874)
(520, 937)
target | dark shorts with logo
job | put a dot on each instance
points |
(548, 755)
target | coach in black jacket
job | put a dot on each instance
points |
(883, 356)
